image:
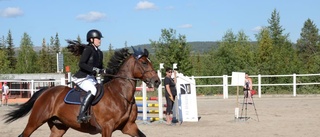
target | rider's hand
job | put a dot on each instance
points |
(102, 71)
(99, 71)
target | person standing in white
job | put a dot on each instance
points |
(5, 92)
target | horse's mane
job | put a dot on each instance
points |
(75, 47)
(115, 62)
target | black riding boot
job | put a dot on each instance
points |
(84, 106)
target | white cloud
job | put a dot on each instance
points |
(185, 26)
(92, 16)
(11, 12)
(257, 29)
(143, 5)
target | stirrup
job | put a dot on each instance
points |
(83, 119)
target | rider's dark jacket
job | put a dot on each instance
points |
(90, 57)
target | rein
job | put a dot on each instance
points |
(127, 78)
(116, 76)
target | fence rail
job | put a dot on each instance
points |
(226, 83)
(18, 87)
(33, 85)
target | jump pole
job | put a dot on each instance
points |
(160, 98)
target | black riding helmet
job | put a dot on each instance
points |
(93, 34)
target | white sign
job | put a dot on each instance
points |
(238, 78)
(187, 99)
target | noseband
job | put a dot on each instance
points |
(134, 79)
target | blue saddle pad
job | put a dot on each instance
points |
(73, 97)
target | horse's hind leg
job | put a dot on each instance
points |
(36, 119)
(30, 127)
(57, 130)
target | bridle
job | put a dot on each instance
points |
(133, 79)
(128, 78)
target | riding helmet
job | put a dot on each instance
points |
(93, 34)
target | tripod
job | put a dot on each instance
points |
(245, 100)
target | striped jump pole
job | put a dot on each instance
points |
(144, 105)
(150, 98)
(144, 100)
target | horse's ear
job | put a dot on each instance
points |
(146, 52)
(137, 53)
(134, 50)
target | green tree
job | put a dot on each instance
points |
(4, 67)
(79, 39)
(70, 60)
(44, 59)
(265, 52)
(56, 44)
(107, 55)
(27, 57)
(53, 50)
(308, 47)
(171, 49)
(224, 58)
(285, 58)
(276, 30)
(235, 53)
(245, 57)
(2, 43)
(11, 57)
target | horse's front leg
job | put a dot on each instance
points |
(132, 130)
(131, 127)
(106, 133)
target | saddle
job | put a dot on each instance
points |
(76, 95)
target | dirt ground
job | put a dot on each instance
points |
(279, 116)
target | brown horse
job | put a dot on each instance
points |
(115, 111)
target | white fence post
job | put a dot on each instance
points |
(63, 81)
(225, 86)
(294, 84)
(32, 87)
(259, 85)
(69, 79)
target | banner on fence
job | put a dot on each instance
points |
(187, 99)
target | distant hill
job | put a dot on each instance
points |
(197, 46)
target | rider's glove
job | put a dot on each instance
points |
(98, 71)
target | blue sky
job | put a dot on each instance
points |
(139, 21)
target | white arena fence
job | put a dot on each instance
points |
(32, 86)
(226, 82)
(26, 88)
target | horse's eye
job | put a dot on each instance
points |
(144, 62)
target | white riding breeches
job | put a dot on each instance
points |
(88, 84)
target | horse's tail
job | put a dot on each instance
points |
(23, 109)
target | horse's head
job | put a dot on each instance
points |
(143, 68)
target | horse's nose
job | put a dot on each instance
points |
(157, 82)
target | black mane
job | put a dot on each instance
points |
(115, 62)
